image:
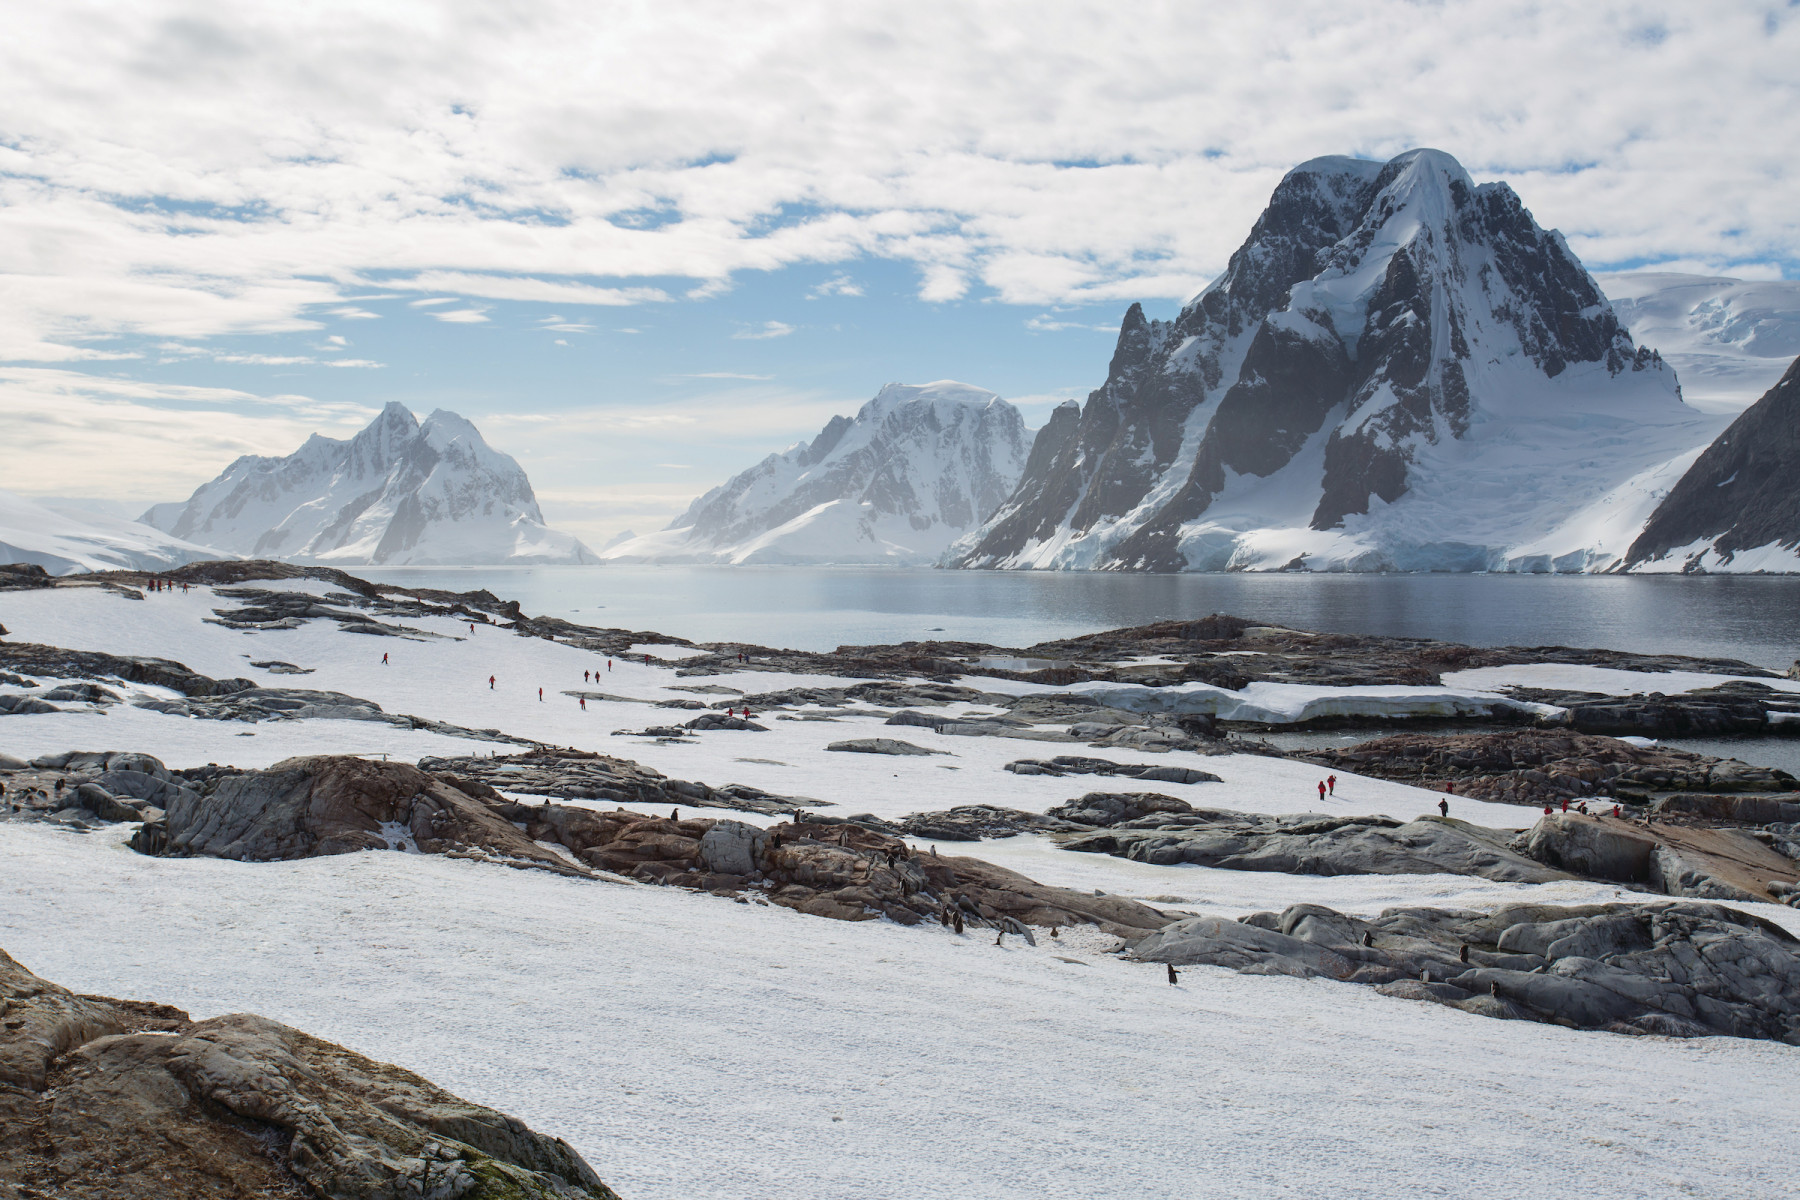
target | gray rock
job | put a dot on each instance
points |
(731, 847)
(82, 693)
(1679, 969)
(1075, 764)
(21, 706)
(1744, 809)
(1116, 808)
(104, 804)
(1315, 845)
(880, 746)
(1719, 864)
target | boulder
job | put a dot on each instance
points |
(125, 1098)
(22, 706)
(104, 804)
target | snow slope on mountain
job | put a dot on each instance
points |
(915, 468)
(397, 494)
(69, 542)
(1730, 339)
(1397, 371)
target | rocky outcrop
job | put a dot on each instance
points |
(838, 870)
(83, 788)
(880, 746)
(1739, 495)
(1674, 969)
(1539, 767)
(568, 774)
(1074, 764)
(55, 662)
(104, 1098)
(1712, 864)
(1306, 844)
(331, 804)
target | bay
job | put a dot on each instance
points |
(1753, 618)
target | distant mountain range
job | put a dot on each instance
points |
(397, 494)
(915, 468)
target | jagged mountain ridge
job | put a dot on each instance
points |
(399, 493)
(917, 466)
(1738, 506)
(1374, 381)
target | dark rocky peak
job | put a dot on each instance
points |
(1740, 494)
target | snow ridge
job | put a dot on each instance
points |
(399, 493)
(915, 468)
(66, 541)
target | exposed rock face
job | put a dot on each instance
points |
(397, 493)
(916, 467)
(1676, 969)
(1307, 844)
(104, 1098)
(306, 807)
(1539, 767)
(1712, 864)
(83, 788)
(1381, 326)
(1739, 496)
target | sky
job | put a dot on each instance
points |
(642, 245)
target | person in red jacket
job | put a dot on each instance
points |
(490, 683)
(1331, 784)
(1321, 789)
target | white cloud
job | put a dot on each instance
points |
(724, 375)
(190, 434)
(462, 316)
(431, 300)
(768, 329)
(355, 314)
(838, 285)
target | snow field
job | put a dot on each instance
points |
(693, 1048)
(1611, 681)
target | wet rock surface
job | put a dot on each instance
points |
(1679, 969)
(101, 1099)
(880, 746)
(1539, 767)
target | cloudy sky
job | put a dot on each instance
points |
(643, 244)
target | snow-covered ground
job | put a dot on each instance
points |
(1573, 677)
(691, 1048)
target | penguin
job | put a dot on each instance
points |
(1463, 954)
(1173, 974)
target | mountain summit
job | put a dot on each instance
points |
(1398, 369)
(916, 467)
(397, 494)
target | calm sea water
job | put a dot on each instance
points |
(1756, 619)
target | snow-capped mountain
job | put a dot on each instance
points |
(1730, 339)
(1397, 370)
(65, 540)
(914, 469)
(399, 493)
(1738, 507)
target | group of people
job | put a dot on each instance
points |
(1580, 807)
(164, 585)
(1328, 786)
